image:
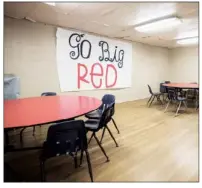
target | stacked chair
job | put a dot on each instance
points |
(108, 101)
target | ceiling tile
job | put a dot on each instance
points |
(111, 19)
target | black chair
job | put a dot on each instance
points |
(173, 97)
(106, 127)
(163, 90)
(45, 94)
(94, 125)
(66, 138)
(107, 101)
(156, 95)
(10, 175)
(48, 94)
(167, 82)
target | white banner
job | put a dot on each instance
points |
(87, 62)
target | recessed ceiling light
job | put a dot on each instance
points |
(188, 41)
(51, 4)
(106, 25)
(159, 25)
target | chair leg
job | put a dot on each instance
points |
(159, 99)
(196, 103)
(75, 160)
(90, 138)
(152, 101)
(165, 97)
(112, 136)
(178, 108)
(81, 158)
(101, 147)
(103, 132)
(149, 100)
(42, 168)
(167, 106)
(89, 165)
(33, 130)
(21, 134)
(185, 104)
(115, 126)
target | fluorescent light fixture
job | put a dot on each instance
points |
(51, 4)
(188, 41)
(188, 34)
(159, 25)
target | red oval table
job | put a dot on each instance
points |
(27, 112)
(182, 85)
(42, 110)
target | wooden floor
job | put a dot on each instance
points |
(153, 146)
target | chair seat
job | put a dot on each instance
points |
(92, 124)
(94, 115)
(181, 98)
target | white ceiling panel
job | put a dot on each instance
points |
(111, 19)
(18, 10)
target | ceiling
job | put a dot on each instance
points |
(115, 20)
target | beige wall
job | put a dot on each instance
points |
(183, 64)
(29, 52)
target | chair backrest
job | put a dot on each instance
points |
(105, 117)
(150, 90)
(65, 138)
(48, 94)
(107, 101)
(172, 94)
(162, 88)
(167, 82)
